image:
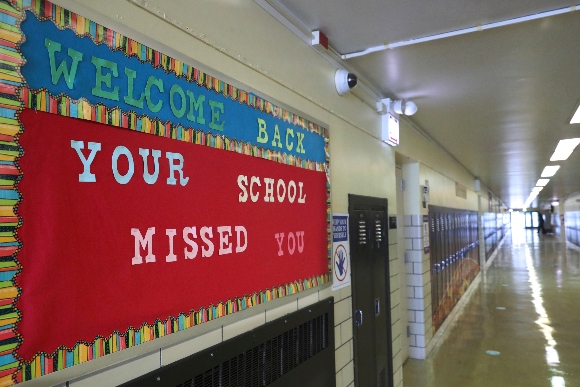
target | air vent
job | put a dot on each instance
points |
(299, 345)
(362, 232)
(263, 364)
(382, 378)
(378, 231)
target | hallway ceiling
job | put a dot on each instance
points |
(498, 100)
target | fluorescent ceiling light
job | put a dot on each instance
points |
(531, 198)
(550, 170)
(576, 118)
(565, 149)
(537, 189)
(542, 182)
(555, 203)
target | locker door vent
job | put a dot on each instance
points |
(266, 361)
(382, 378)
(362, 232)
(378, 230)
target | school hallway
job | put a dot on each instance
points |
(520, 327)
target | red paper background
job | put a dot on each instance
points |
(77, 279)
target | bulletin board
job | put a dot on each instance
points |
(139, 195)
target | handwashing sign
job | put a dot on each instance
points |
(340, 252)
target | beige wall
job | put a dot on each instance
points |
(418, 148)
(240, 43)
(442, 191)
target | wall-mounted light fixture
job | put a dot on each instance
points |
(389, 122)
(407, 108)
(399, 106)
(390, 111)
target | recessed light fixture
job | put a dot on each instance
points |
(565, 149)
(528, 202)
(576, 118)
(542, 182)
(531, 198)
(550, 170)
(537, 189)
(555, 203)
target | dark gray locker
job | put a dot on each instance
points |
(371, 291)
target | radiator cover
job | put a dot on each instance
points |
(297, 349)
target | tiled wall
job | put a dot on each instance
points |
(418, 288)
(397, 328)
(343, 337)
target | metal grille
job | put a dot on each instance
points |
(362, 232)
(266, 362)
(382, 378)
(378, 230)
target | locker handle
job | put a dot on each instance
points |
(358, 318)
(377, 306)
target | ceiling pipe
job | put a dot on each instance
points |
(287, 19)
(463, 31)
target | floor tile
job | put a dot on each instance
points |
(527, 309)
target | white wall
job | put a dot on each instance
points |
(572, 203)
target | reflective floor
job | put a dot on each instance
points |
(526, 310)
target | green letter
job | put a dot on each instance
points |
(196, 105)
(106, 79)
(290, 132)
(129, 100)
(152, 81)
(262, 134)
(181, 111)
(299, 146)
(69, 76)
(276, 137)
(215, 115)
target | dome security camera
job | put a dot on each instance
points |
(344, 81)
